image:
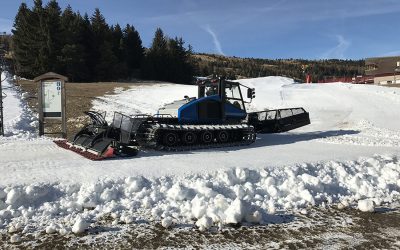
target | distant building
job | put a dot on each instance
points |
(383, 70)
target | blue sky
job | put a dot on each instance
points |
(310, 29)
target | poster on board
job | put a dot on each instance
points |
(52, 101)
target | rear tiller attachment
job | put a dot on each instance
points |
(99, 140)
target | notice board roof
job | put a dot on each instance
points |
(50, 75)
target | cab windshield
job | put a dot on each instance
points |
(234, 96)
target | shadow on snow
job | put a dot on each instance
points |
(263, 140)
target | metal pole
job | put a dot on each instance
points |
(63, 110)
(40, 100)
(1, 106)
(1, 89)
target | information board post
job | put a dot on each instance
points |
(52, 102)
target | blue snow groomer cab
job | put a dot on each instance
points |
(218, 102)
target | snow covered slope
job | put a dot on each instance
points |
(349, 153)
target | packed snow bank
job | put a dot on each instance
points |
(19, 120)
(232, 196)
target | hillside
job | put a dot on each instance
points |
(234, 67)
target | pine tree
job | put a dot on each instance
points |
(37, 26)
(180, 67)
(87, 39)
(117, 41)
(105, 58)
(22, 48)
(53, 35)
(120, 70)
(73, 54)
(133, 50)
(156, 62)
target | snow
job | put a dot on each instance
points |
(347, 157)
(167, 222)
(204, 223)
(80, 226)
(366, 205)
(19, 120)
(51, 229)
(15, 238)
(235, 212)
(210, 199)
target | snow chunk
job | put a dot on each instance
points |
(343, 204)
(64, 231)
(178, 192)
(109, 194)
(15, 238)
(80, 226)
(135, 183)
(242, 174)
(52, 228)
(14, 228)
(306, 195)
(199, 207)
(13, 196)
(254, 217)
(271, 207)
(204, 223)
(366, 205)
(235, 212)
(167, 222)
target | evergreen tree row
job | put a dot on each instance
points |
(45, 38)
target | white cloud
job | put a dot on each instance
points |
(339, 50)
(216, 41)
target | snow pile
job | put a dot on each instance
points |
(233, 196)
(19, 120)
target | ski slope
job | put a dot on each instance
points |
(348, 155)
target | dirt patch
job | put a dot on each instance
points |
(319, 229)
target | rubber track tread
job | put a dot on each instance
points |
(249, 134)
